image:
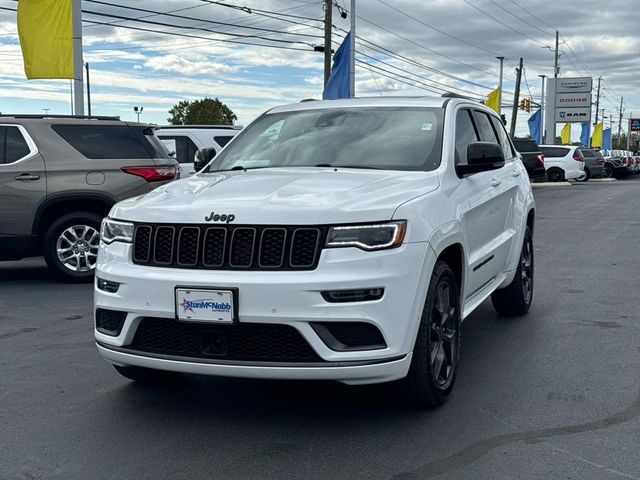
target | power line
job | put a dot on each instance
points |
(438, 30)
(502, 23)
(423, 47)
(185, 17)
(257, 11)
(519, 18)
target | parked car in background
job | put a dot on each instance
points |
(532, 157)
(562, 162)
(60, 175)
(186, 140)
(615, 164)
(593, 164)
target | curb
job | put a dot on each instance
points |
(602, 180)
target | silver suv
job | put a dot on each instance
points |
(60, 175)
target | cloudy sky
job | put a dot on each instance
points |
(406, 47)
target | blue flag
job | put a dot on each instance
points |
(535, 123)
(606, 139)
(338, 84)
(585, 135)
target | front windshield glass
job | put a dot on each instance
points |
(393, 138)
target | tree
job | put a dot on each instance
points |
(207, 111)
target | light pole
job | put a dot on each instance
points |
(138, 111)
(46, 111)
(500, 85)
(542, 110)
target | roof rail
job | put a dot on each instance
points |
(307, 100)
(219, 127)
(35, 115)
(457, 95)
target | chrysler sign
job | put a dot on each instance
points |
(574, 85)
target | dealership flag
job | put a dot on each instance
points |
(46, 38)
(565, 134)
(535, 122)
(338, 84)
(584, 135)
(606, 139)
(596, 138)
(493, 100)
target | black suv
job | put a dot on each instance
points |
(532, 157)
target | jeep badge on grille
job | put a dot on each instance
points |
(215, 217)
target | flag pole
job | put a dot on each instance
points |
(78, 67)
(352, 52)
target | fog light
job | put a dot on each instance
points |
(359, 295)
(107, 286)
(110, 322)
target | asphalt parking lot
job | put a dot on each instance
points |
(554, 394)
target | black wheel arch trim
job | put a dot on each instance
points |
(55, 199)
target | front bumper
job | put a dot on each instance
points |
(280, 297)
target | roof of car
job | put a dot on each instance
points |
(203, 127)
(367, 102)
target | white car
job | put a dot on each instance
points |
(332, 240)
(562, 162)
(186, 140)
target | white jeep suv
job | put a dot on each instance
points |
(336, 240)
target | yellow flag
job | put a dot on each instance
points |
(565, 134)
(493, 100)
(596, 138)
(46, 38)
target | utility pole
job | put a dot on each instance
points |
(500, 85)
(598, 101)
(556, 68)
(86, 65)
(328, 8)
(540, 140)
(516, 100)
(620, 119)
(352, 67)
(76, 22)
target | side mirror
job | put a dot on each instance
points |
(202, 157)
(481, 157)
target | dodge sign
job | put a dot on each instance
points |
(564, 100)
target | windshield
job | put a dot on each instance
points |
(391, 138)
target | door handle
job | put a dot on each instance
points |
(27, 176)
(495, 182)
(516, 173)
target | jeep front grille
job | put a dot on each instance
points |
(226, 247)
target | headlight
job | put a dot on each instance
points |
(116, 231)
(368, 237)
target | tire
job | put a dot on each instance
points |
(555, 175)
(609, 172)
(585, 177)
(146, 375)
(425, 385)
(70, 246)
(515, 299)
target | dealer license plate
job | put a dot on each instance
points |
(205, 305)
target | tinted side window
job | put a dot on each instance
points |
(13, 146)
(588, 153)
(185, 148)
(504, 139)
(465, 134)
(103, 141)
(223, 140)
(487, 134)
(554, 151)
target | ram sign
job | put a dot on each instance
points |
(573, 114)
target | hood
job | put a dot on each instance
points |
(280, 196)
